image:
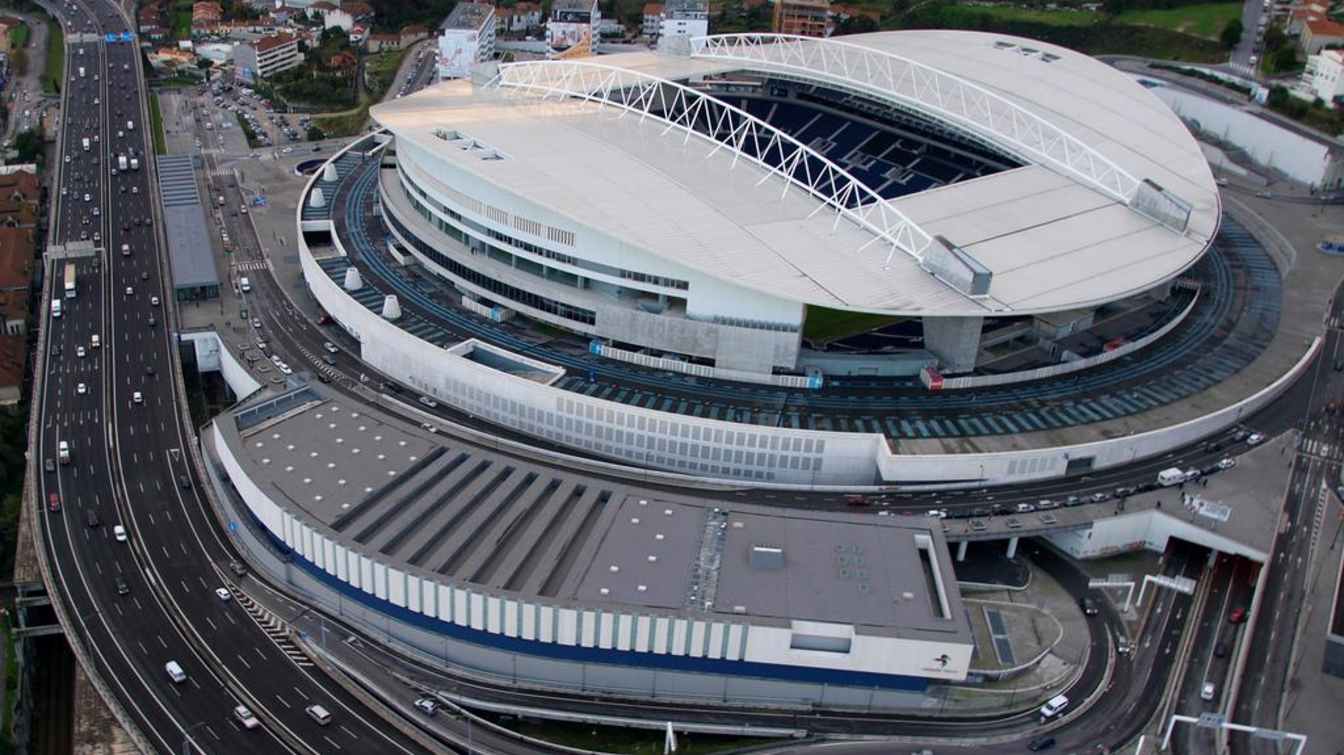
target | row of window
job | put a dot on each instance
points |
(413, 190)
(500, 289)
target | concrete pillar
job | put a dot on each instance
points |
(1012, 547)
(329, 173)
(317, 198)
(961, 550)
(954, 340)
(353, 280)
(391, 308)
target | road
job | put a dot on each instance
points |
(118, 405)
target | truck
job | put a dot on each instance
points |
(69, 280)
(121, 162)
(63, 452)
(86, 144)
(135, 163)
(1170, 476)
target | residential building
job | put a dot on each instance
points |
(267, 56)
(1320, 33)
(7, 24)
(343, 62)
(572, 21)
(16, 278)
(467, 37)
(683, 19)
(318, 9)
(1324, 75)
(412, 34)
(150, 21)
(205, 12)
(348, 16)
(383, 42)
(807, 18)
(522, 17)
(13, 360)
(653, 19)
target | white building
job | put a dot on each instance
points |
(267, 56)
(571, 21)
(683, 19)
(467, 37)
(1324, 75)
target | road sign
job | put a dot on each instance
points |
(1211, 720)
(1269, 734)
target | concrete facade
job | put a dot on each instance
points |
(955, 341)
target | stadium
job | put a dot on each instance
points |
(730, 210)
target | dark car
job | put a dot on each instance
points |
(123, 587)
(1089, 606)
(184, 482)
(49, 465)
(1220, 650)
(54, 502)
(238, 569)
(91, 517)
(1041, 743)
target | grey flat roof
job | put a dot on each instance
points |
(468, 16)
(185, 223)
(443, 509)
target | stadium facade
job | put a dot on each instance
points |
(706, 209)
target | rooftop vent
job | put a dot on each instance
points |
(767, 557)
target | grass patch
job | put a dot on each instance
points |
(247, 131)
(1205, 20)
(350, 123)
(54, 74)
(1031, 15)
(381, 69)
(156, 125)
(615, 739)
(823, 325)
(18, 36)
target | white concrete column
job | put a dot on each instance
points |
(329, 173)
(961, 549)
(353, 280)
(392, 309)
(316, 198)
(954, 340)
(1012, 547)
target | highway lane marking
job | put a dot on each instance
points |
(333, 744)
(243, 660)
(143, 649)
(159, 637)
(212, 732)
(258, 649)
(347, 731)
(284, 702)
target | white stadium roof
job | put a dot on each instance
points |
(1053, 236)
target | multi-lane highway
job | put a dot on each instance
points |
(109, 390)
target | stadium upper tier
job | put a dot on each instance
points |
(928, 173)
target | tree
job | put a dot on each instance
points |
(28, 143)
(856, 25)
(1283, 59)
(316, 134)
(1231, 35)
(18, 60)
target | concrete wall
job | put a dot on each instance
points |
(955, 340)
(1142, 530)
(1267, 143)
(212, 356)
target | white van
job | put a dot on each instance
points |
(55, 307)
(94, 341)
(319, 714)
(175, 672)
(1171, 476)
(1054, 706)
(244, 284)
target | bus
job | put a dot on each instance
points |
(69, 280)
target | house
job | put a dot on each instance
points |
(383, 42)
(1320, 33)
(266, 56)
(151, 22)
(206, 12)
(16, 278)
(343, 62)
(319, 9)
(806, 18)
(7, 24)
(653, 18)
(466, 37)
(571, 22)
(1324, 75)
(170, 58)
(681, 20)
(412, 34)
(13, 365)
(347, 16)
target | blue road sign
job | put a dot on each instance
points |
(126, 36)
(110, 37)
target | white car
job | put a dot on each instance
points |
(79, 351)
(130, 291)
(284, 369)
(223, 593)
(245, 717)
(330, 347)
(153, 301)
(81, 389)
(137, 398)
(88, 198)
(287, 150)
(97, 212)
(1255, 439)
(119, 532)
(1227, 463)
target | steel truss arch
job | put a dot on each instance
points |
(929, 90)
(744, 135)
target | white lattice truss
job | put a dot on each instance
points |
(747, 137)
(928, 90)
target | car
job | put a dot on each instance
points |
(149, 370)
(428, 402)
(87, 198)
(1124, 491)
(1099, 496)
(79, 351)
(1089, 606)
(184, 482)
(1027, 508)
(256, 323)
(1255, 439)
(1041, 743)
(135, 189)
(152, 321)
(330, 347)
(1237, 616)
(81, 389)
(123, 587)
(1220, 650)
(1227, 462)
(245, 717)
(137, 398)
(428, 706)
(53, 502)
(153, 301)
(49, 465)
(130, 291)
(1207, 692)
(284, 369)
(238, 569)
(223, 593)
(97, 212)
(119, 533)
(329, 359)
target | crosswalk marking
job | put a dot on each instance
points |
(252, 265)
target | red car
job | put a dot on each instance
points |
(53, 502)
(1237, 616)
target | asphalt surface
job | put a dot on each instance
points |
(128, 467)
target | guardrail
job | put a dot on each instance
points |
(806, 382)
